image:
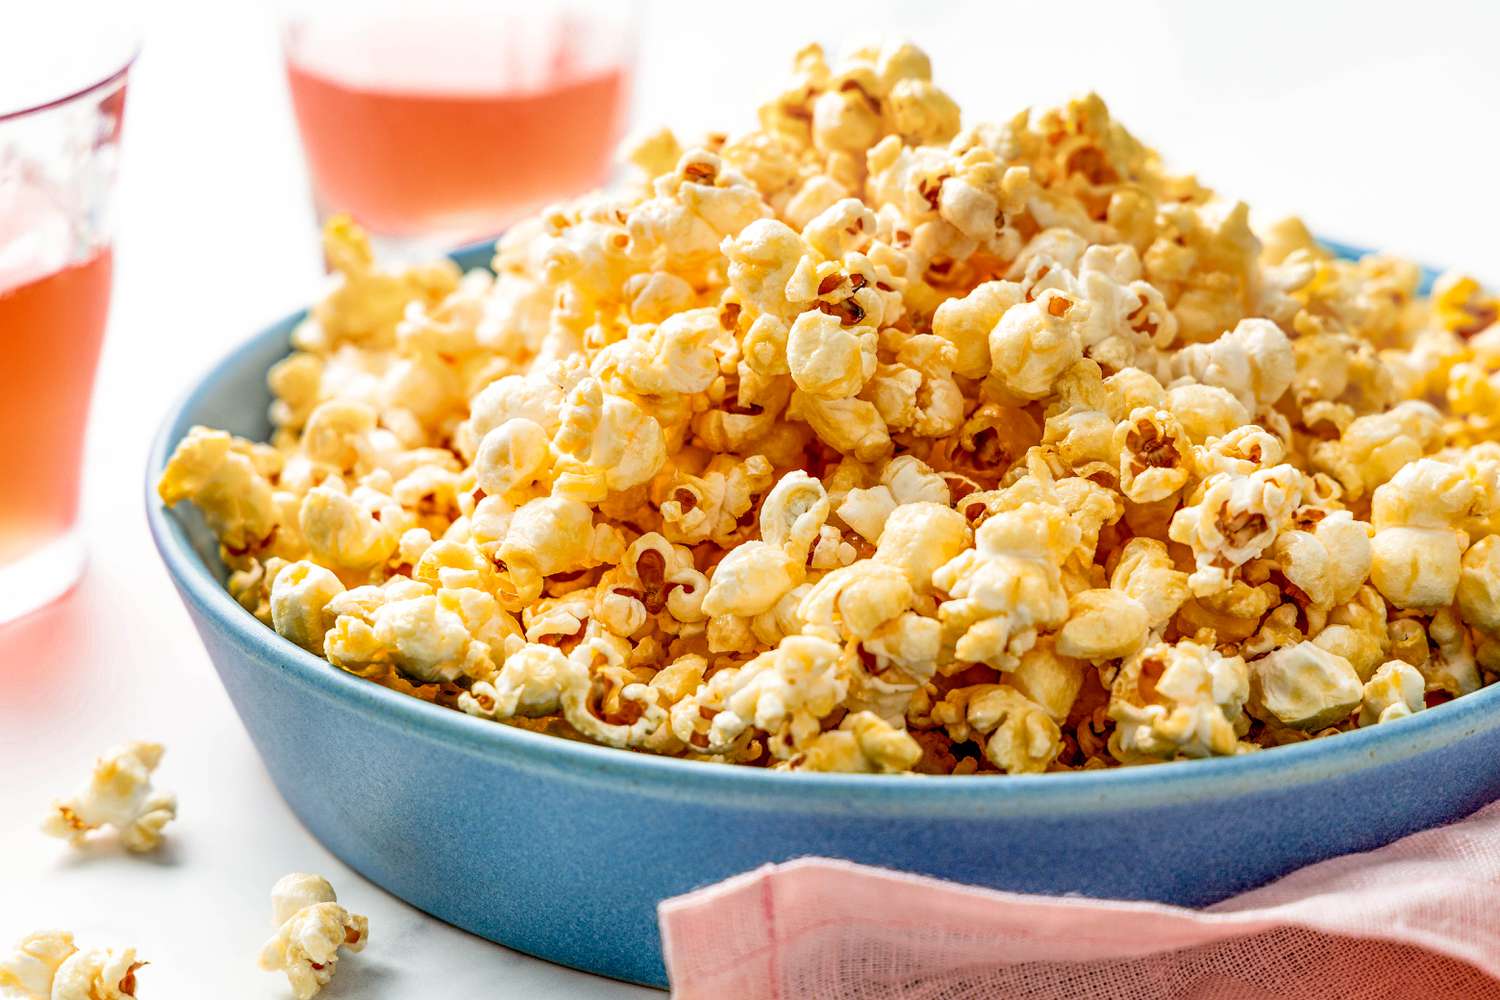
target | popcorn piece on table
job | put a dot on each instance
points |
(118, 794)
(96, 974)
(27, 973)
(48, 966)
(311, 928)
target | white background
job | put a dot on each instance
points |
(1379, 122)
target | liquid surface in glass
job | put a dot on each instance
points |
(453, 125)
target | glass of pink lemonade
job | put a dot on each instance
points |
(440, 122)
(62, 94)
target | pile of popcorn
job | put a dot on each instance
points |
(871, 441)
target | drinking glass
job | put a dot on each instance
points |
(439, 122)
(62, 96)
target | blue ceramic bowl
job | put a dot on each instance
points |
(563, 849)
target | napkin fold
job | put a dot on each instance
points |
(1417, 918)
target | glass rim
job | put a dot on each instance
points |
(113, 77)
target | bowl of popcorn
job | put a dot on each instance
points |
(871, 484)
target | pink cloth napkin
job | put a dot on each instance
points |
(1418, 918)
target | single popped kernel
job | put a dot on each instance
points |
(1181, 699)
(119, 795)
(311, 929)
(1395, 691)
(863, 743)
(1018, 736)
(1304, 686)
(48, 966)
(96, 974)
(27, 973)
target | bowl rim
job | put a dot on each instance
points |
(1113, 789)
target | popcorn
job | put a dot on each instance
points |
(1102, 624)
(865, 441)
(851, 426)
(912, 481)
(1155, 459)
(1329, 563)
(606, 444)
(1234, 519)
(1145, 573)
(335, 433)
(28, 972)
(1181, 699)
(1417, 548)
(119, 795)
(343, 533)
(1478, 589)
(512, 457)
(1304, 686)
(1206, 411)
(917, 393)
(966, 323)
(1017, 735)
(224, 480)
(863, 743)
(1009, 586)
(1035, 342)
(785, 692)
(1450, 665)
(1254, 362)
(919, 538)
(1049, 678)
(1416, 567)
(311, 928)
(856, 600)
(826, 359)
(550, 535)
(293, 892)
(1395, 691)
(750, 580)
(866, 511)
(96, 974)
(1375, 446)
(300, 595)
(530, 683)
(793, 513)
(47, 966)
(428, 639)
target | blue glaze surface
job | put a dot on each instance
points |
(562, 849)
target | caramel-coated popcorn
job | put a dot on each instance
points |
(873, 440)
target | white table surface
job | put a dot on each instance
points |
(1380, 129)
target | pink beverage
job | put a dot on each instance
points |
(454, 126)
(51, 329)
(62, 102)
